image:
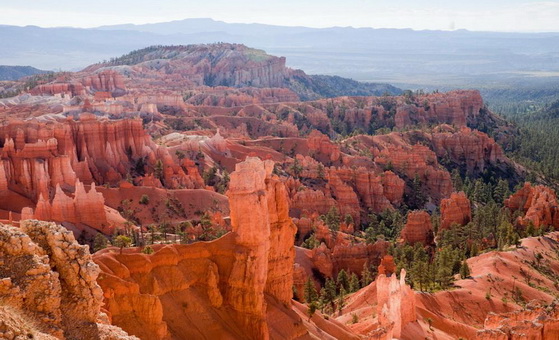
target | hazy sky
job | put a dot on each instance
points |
(489, 15)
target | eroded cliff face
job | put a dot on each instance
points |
(226, 288)
(46, 166)
(455, 210)
(105, 82)
(536, 322)
(418, 228)
(395, 304)
(47, 277)
(538, 203)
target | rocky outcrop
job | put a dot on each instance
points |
(58, 89)
(105, 81)
(418, 228)
(457, 107)
(472, 149)
(48, 277)
(455, 210)
(538, 203)
(414, 160)
(224, 288)
(395, 304)
(86, 207)
(535, 322)
(42, 162)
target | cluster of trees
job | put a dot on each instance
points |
(213, 177)
(429, 270)
(539, 135)
(331, 297)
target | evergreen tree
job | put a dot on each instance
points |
(99, 242)
(296, 168)
(343, 280)
(464, 270)
(417, 198)
(422, 274)
(312, 309)
(444, 265)
(474, 250)
(311, 242)
(457, 180)
(328, 294)
(158, 170)
(310, 292)
(348, 219)
(366, 277)
(332, 218)
(354, 284)
(341, 300)
(122, 241)
(501, 191)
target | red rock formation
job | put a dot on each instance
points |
(455, 107)
(346, 199)
(387, 266)
(536, 322)
(236, 278)
(473, 148)
(395, 151)
(322, 147)
(61, 89)
(455, 209)
(538, 203)
(418, 228)
(84, 208)
(395, 304)
(49, 278)
(105, 81)
(37, 157)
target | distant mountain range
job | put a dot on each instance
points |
(17, 72)
(441, 59)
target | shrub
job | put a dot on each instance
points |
(148, 250)
(144, 199)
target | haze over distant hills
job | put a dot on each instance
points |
(431, 59)
(17, 72)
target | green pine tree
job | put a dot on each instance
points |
(354, 284)
(366, 277)
(464, 270)
(310, 292)
(343, 280)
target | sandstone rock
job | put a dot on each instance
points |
(474, 149)
(226, 287)
(395, 304)
(455, 209)
(50, 278)
(104, 81)
(535, 322)
(387, 266)
(84, 208)
(539, 204)
(418, 228)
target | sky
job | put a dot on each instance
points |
(475, 15)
